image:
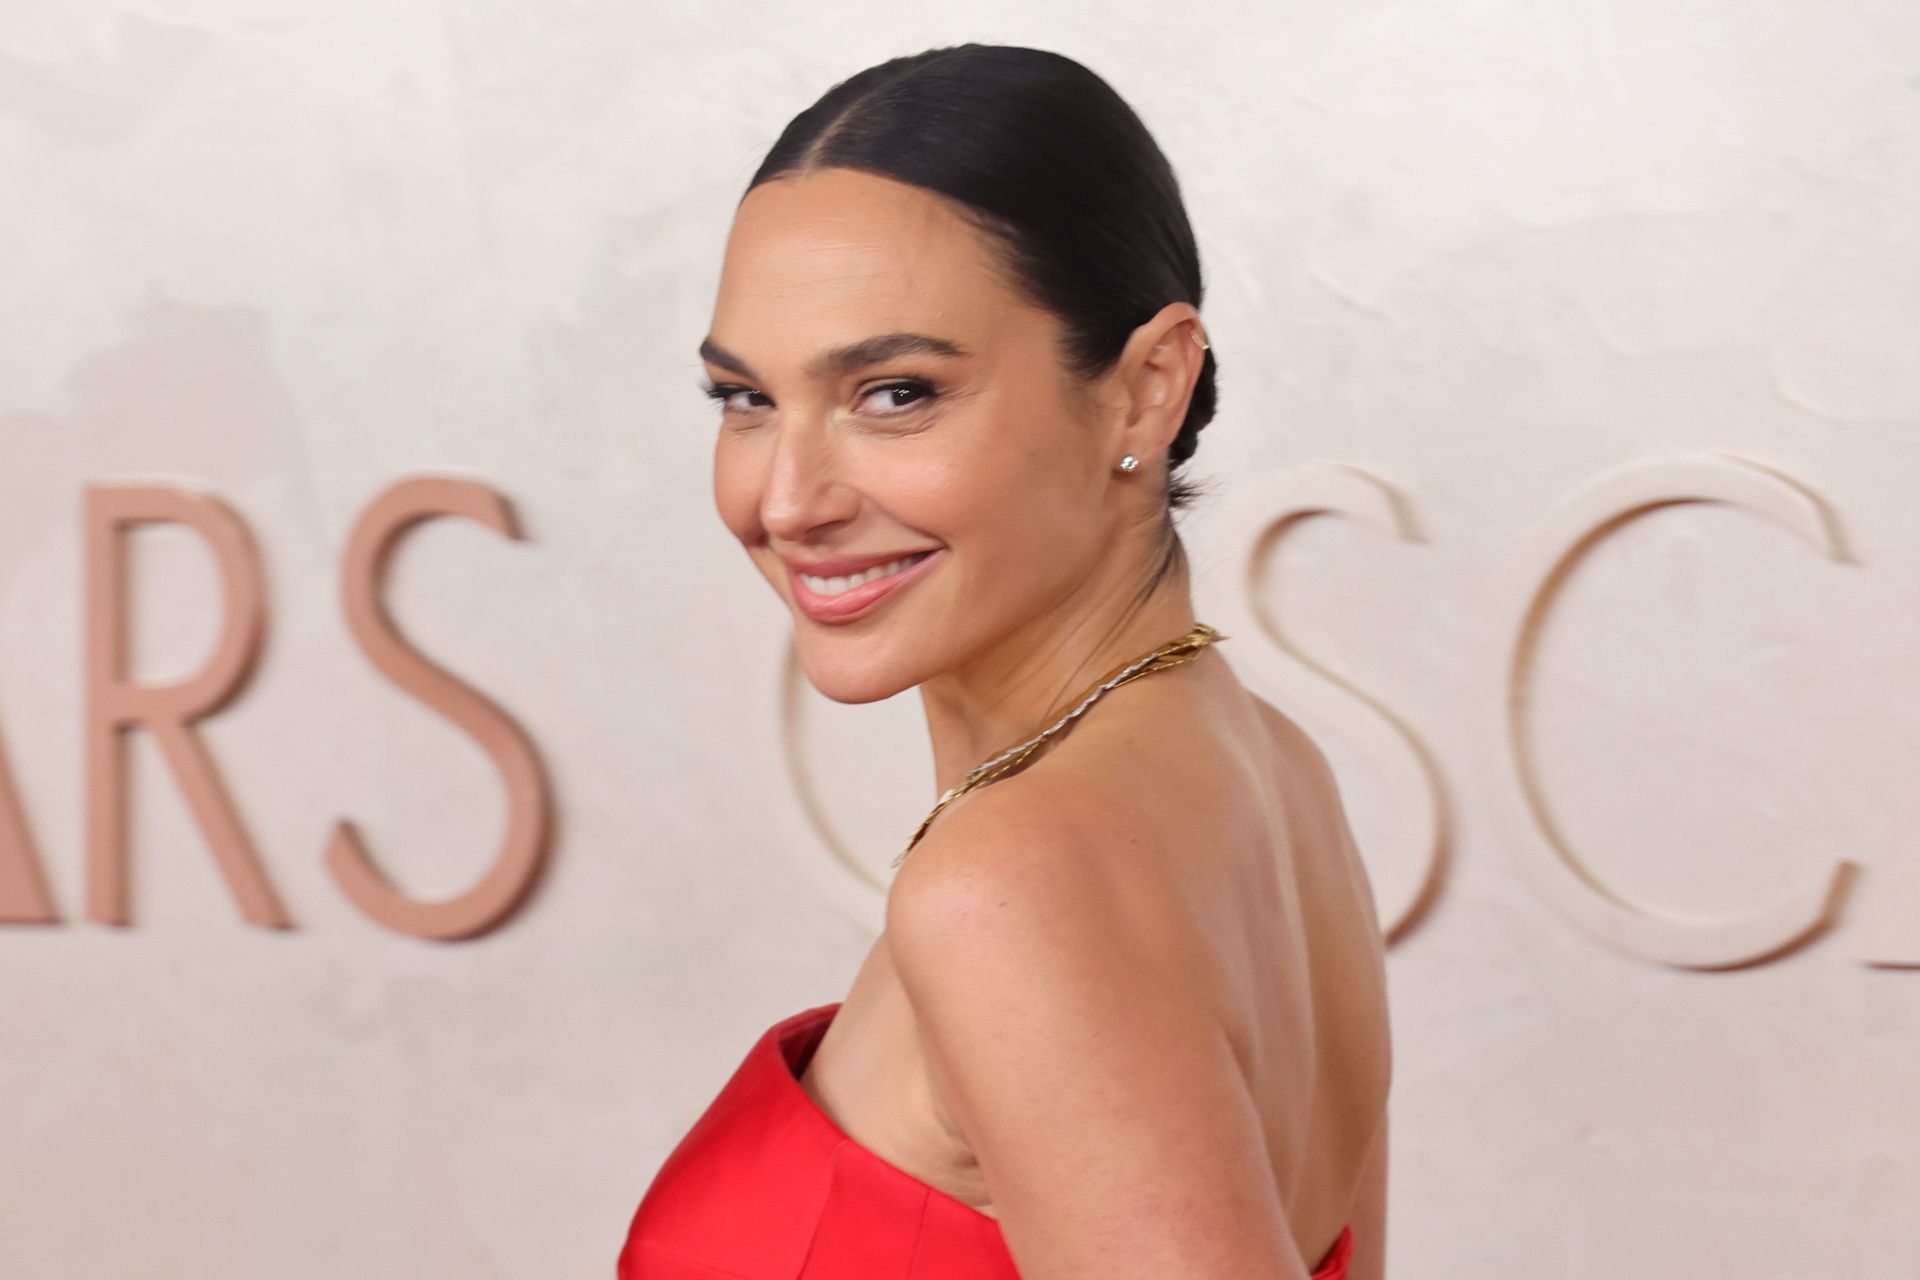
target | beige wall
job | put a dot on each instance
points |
(1483, 277)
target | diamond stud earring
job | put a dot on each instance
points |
(1129, 462)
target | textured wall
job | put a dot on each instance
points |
(1481, 273)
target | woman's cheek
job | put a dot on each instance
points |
(957, 483)
(733, 494)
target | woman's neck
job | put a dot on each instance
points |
(1018, 687)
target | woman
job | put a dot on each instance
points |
(1127, 1017)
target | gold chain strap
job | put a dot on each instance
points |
(1171, 654)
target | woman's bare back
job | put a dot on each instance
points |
(1246, 857)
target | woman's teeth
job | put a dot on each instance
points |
(835, 586)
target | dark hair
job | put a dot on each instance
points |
(1041, 155)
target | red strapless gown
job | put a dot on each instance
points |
(766, 1187)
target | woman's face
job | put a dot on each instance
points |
(883, 395)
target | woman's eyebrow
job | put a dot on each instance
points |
(841, 360)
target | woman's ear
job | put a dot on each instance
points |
(1158, 371)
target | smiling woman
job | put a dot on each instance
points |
(1127, 1017)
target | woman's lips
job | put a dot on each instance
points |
(856, 601)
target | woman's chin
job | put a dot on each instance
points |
(852, 682)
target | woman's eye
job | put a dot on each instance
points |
(899, 397)
(889, 400)
(722, 392)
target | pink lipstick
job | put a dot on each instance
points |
(856, 601)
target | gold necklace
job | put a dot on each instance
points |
(1171, 654)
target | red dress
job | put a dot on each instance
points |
(766, 1187)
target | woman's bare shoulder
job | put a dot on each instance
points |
(1101, 1098)
(1044, 826)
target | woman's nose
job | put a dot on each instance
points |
(804, 489)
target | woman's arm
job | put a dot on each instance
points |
(1369, 1216)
